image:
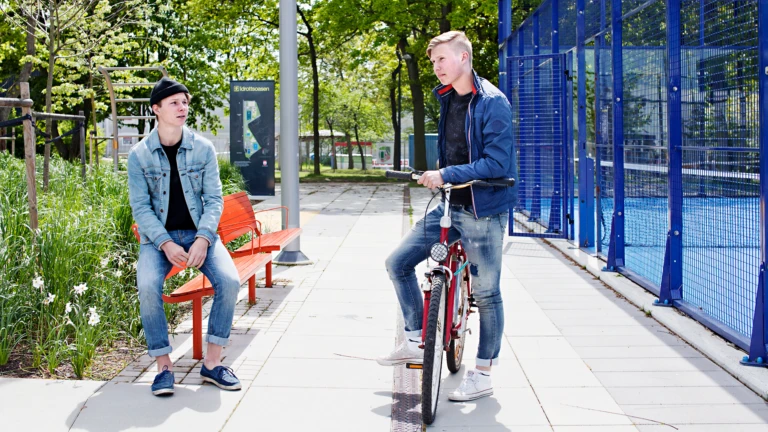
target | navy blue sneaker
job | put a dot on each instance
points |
(163, 384)
(222, 377)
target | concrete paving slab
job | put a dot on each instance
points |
(580, 406)
(324, 373)
(22, 401)
(684, 395)
(312, 409)
(121, 407)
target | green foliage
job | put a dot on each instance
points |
(70, 287)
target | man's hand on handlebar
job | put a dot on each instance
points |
(431, 179)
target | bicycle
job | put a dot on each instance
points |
(443, 332)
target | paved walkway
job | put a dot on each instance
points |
(575, 357)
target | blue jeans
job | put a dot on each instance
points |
(151, 270)
(482, 240)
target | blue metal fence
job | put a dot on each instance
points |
(665, 109)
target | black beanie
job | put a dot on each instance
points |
(164, 88)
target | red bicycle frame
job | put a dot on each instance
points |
(452, 269)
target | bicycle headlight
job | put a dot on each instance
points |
(439, 252)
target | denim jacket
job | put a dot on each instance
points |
(149, 182)
(488, 126)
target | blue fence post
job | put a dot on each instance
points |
(505, 29)
(569, 149)
(537, 126)
(586, 183)
(522, 190)
(672, 276)
(598, 215)
(556, 222)
(616, 245)
(758, 347)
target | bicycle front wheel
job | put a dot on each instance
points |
(456, 348)
(434, 346)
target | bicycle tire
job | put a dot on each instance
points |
(434, 347)
(456, 348)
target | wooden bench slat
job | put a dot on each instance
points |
(246, 266)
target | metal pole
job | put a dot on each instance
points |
(586, 169)
(758, 348)
(29, 157)
(289, 131)
(82, 146)
(672, 275)
(616, 247)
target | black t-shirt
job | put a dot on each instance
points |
(456, 148)
(178, 211)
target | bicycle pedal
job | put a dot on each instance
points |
(414, 366)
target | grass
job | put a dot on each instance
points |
(69, 289)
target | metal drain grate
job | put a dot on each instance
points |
(406, 383)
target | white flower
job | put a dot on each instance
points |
(104, 261)
(68, 308)
(38, 283)
(93, 317)
(135, 265)
(50, 298)
(80, 289)
(69, 321)
(119, 273)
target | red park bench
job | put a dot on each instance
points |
(237, 219)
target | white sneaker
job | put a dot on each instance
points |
(474, 386)
(406, 352)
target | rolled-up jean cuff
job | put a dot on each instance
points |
(486, 362)
(160, 351)
(415, 334)
(220, 341)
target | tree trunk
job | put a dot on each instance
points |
(48, 103)
(315, 91)
(417, 95)
(351, 163)
(359, 146)
(26, 70)
(445, 24)
(393, 101)
(334, 164)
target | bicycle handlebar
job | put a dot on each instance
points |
(402, 175)
(414, 176)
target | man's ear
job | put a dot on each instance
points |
(154, 110)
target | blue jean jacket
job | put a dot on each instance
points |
(149, 184)
(489, 129)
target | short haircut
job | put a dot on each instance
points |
(459, 39)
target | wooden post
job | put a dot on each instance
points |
(29, 157)
(90, 147)
(82, 147)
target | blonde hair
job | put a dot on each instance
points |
(457, 38)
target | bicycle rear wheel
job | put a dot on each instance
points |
(434, 346)
(456, 348)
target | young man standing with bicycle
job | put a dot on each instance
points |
(175, 195)
(474, 143)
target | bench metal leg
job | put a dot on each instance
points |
(252, 290)
(197, 328)
(268, 282)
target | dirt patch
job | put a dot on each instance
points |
(107, 363)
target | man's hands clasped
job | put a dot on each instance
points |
(181, 258)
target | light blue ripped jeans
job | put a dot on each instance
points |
(482, 240)
(151, 270)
